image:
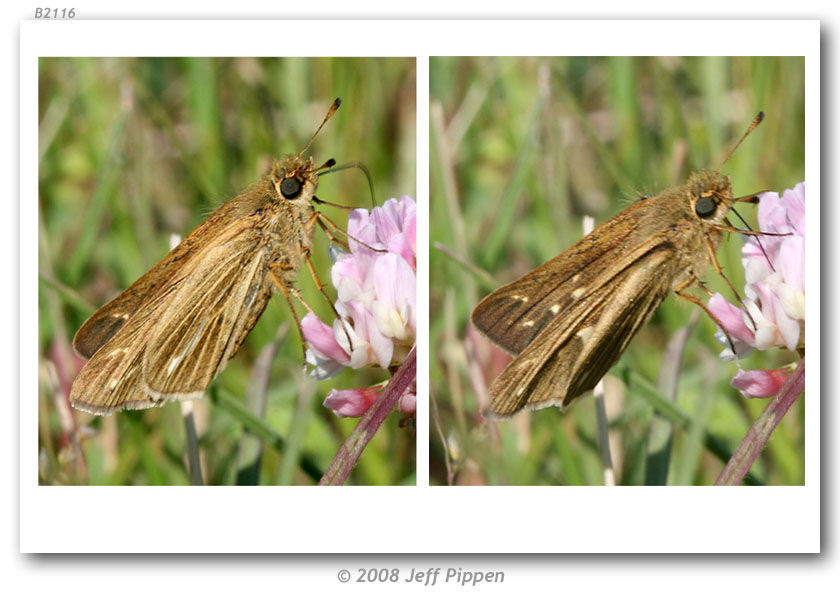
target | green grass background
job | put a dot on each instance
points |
(133, 150)
(521, 148)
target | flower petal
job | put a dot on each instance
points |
(731, 317)
(760, 383)
(795, 204)
(324, 352)
(351, 402)
(408, 403)
(320, 338)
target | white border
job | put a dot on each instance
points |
(423, 519)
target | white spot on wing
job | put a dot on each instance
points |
(528, 324)
(578, 293)
(173, 364)
(555, 309)
(585, 333)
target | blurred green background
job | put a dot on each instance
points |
(133, 150)
(521, 149)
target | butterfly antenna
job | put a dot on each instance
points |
(352, 165)
(758, 118)
(336, 103)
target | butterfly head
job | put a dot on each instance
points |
(711, 192)
(710, 196)
(295, 178)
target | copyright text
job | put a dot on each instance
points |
(428, 577)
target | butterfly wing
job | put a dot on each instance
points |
(112, 379)
(513, 315)
(102, 325)
(202, 315)
(571, 350)
(208, 318)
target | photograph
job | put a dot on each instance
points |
(617, 287)
(227, 271)
(493, 279)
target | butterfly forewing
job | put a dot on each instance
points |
(102, 325)
(168, 335)
(513, 315)
(571, 353)
(209, 316)
(108, 319)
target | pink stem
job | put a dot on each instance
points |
(351, 449)
(753, 443)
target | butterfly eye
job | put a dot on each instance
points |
(705, 207)
(291, 187)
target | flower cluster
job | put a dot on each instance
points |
(377, 303)
(774, 307)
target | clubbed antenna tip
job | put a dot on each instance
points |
(334, 107)
(758, 119)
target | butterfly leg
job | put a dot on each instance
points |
(333, 240)
(288, 291)
(757, 234)
(326, 223)
(719, 270)
(307, 257)
(317, 200)
(678, 290)
(732, 229)
(310, 223)
(321, 289)
(315, 219)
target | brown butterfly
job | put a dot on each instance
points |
(568, 321)
(174, 329)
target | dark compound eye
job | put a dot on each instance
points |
(291, 187)
(705, 207)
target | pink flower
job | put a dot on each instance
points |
(377, 296)
(324, 352)
(774, 308)
(734, 323)
(355, 402)
(408, 401)
(351, 402)
(760, 383)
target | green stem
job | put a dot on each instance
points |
(193, 459)
(266, 433)
(674, 413)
